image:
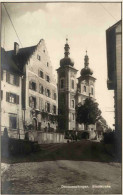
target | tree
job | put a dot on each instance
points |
(88, 113)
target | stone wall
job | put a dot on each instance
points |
(45, 137)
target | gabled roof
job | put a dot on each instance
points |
(22, 56)
(114, 25)
(8, 64)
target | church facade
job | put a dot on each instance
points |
(73, 90)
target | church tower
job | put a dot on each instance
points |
(67, 87)
(85, 87)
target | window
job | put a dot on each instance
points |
(44, 50)
(48, 93)
(84, 88)
(32, 85)
(38, 57)
(73, 116)
(47, 78)
(41, 89)
(13, 122)
(92, 90)
(54, 109)
(12, 98)
(32, 102)
(62, 83)
(72, 84)
(40, 103)
(41, 74)
(47, 107)
(54, 96)
(72, 102)
(12, 79)
(47, 64)
(1, 94)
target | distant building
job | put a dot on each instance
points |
(38, 90)
(113, 41)
(71, 92)
(11, 104)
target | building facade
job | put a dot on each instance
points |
(72, 91)
(35, 102)
(114, 60)
(11, 104)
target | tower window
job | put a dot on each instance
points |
(72, 103)
(72, 84)
(92, 90)
(54, 109)
(84, 88)
(54, 96)
(73, 116)
(62, 83)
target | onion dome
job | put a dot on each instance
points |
(66, 60)
(86, 70)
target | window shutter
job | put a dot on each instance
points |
(17, 99)
(17, 80)
(7, 77)
(7, 96)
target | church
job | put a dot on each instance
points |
(73, 90)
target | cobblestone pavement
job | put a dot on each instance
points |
(56, 177)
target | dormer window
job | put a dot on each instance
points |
(39, 57)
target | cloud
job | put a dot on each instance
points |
(19, 9)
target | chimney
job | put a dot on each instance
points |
(16, 48)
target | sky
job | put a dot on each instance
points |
(84, 24)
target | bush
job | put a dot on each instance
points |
(109, 138)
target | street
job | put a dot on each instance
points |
(62, 177)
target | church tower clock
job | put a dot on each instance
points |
(67, 87)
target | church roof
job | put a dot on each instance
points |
(66, 60)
